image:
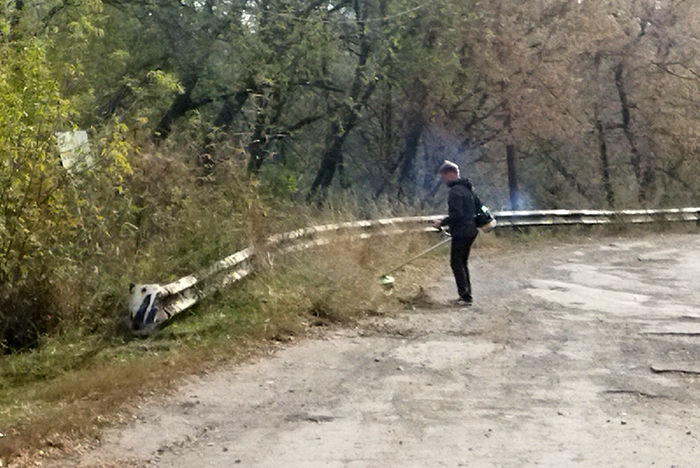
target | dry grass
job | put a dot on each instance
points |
(67, 392)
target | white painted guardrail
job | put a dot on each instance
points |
(592, 217)
(152, 304)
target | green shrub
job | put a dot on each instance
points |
(51, 220)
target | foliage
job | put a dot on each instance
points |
(34, 219)
(51, 219)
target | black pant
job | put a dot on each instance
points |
(459, 256)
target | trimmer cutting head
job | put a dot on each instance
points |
(386, 281)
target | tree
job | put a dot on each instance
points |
(637, 85)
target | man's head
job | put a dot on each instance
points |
(448, 171)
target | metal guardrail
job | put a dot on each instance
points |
(592, 217)
(151, 304)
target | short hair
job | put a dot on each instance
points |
(448, 166)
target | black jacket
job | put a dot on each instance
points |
(460, 209)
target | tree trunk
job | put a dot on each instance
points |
(109, 108)
(230, 109)
(332, 158)
(340, 129)
(182, 104)
(222, 123)
(258, 144)
(645, 175)
(360, 92)
(511, 158)
(405, 163)
(407, 176)
(511, 161)
(267, 120)
(387, 142)
(605, 164)
(648, 187)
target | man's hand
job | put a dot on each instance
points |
(436, 224)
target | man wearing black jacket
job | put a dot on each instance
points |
(460, 220)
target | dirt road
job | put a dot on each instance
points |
(579, 355)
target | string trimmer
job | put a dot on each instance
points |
(388, 281)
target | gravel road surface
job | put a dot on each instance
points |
(584, 355)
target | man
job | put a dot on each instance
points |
(460, 220)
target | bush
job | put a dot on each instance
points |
(52, 221)
(26, 313)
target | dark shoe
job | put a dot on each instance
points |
(467, 299)
(462, 302)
